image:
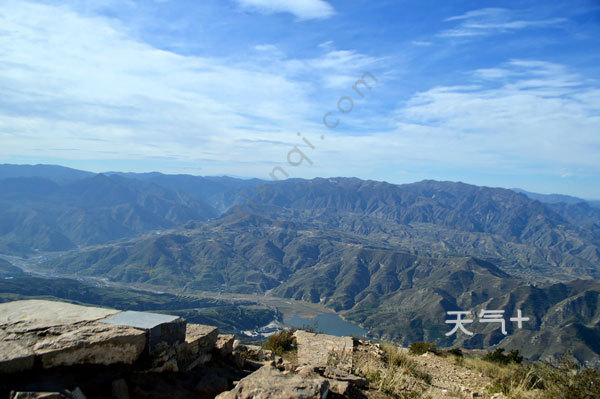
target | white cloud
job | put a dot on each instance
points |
(303, 9)
(78, 87)
(518, 116)
(493, 20)
(482, 13)
(266, 48)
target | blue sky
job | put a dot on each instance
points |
(491, 93)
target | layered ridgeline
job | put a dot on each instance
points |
(394, 258)
(528, 238)
(40, 214)
(393, 293)
(523, 236)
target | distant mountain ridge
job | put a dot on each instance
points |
(521, 235)
(392, 257)
(40, 214)
(53, 172)
(550, 198)
(448, 218)
(395, 294)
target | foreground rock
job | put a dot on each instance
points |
(95, 352)
(224, 345)
(268, 382)
(199, 343)
(323, 350)
(58, 350)
(61, 334)
(159, 328)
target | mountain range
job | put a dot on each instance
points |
(394, 258)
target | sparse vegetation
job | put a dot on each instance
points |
(498, 356)
(368, 366)
(539, 379)
(281, 342)
(419, 348)
(454, 352)
(312, 328)
(338, 357)
(394, 373)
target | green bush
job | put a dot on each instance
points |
(419, 348)
(281, 342)
(455, 351)
(498, 356)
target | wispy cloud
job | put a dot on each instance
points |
(303, 9)
(493, 20)
(73, 82)
(520, 115)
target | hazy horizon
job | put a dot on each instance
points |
(506, 94)
(100, 171)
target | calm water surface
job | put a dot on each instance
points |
(326, 323)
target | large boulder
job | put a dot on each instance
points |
(268, 382)
(90, 344)
(323, 350)
(201, 338)
(200, 341)
(62, 334)
(160, 328)
(224, 345)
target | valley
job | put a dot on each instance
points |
(393, 259)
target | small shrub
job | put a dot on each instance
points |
(498, 356)
(281, 342)
(339, 357)
(459, 361)
(455, 352)
(419, 348)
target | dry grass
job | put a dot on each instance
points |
(394, 373)
(539, 380)
(489, 369)
(290, 356)
(368, 366)
(339, 357)
(398, 374)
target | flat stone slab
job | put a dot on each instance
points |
(93, 343)
(62, 334)
(15, 357)
(142, 320)
(161, 328)
(324, 350)
(341, 375)
(20, 316)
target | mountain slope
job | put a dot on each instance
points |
(393, 293)
(550, 198)
(59, 174)
(523, 236)
(39, 214)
